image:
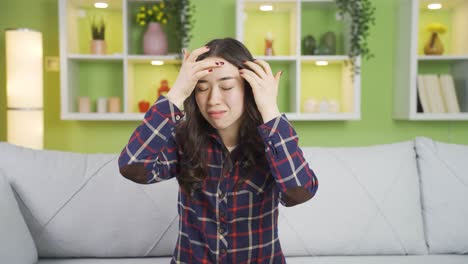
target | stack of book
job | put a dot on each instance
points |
(437, 93)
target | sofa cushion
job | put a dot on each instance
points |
(367, 203)
(424, 259)
(415, 259)
(78, 205)
(444, 180)
(16, 243)
(159, 260)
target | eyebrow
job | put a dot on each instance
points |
(220, 79)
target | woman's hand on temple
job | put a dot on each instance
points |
(264, 86)
(190, 72)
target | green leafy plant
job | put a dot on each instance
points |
(98, 30)
(361, 13)
(182, 9)
(178, 13)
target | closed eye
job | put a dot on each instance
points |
(202, 89)
(227, 88)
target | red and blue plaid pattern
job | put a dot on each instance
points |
(221, 225)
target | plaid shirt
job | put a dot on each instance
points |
(221, 225)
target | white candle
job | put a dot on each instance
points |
(102, 105)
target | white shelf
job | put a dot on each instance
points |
(103, 116)
(412, 17)
(442, 57)
(89, 57)
(145, 58)
(276, 58)
(322, 116)
(324, 57)
(440, 117)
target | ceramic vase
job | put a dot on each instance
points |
(155, 40)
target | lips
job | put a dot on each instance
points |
(216, 114)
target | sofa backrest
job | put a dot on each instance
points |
(367, 203)
(78, 205)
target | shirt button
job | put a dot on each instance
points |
(221, 230)
(222, 195)
(223, 251)
(222, 214)
(177, 117)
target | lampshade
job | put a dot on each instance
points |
(24, 78)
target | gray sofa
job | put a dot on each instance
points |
(405, 202)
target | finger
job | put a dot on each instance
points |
(200, 74)
(278, 75)
(185, 53)
(256, 68)
(194, 54)
(251, 77)
(206, 64)
(266, 67)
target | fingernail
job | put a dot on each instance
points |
(183, 51)
(281, 73)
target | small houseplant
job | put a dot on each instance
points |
(98, 43)
(361, 14)
(154, 39)
(434, 45)
(174, 16)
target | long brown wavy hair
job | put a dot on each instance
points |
(193, 133)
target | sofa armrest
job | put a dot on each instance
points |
(16, 243)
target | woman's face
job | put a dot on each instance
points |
(220, 96)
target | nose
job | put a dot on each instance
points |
(214, 96)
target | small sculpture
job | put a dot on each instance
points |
(164, 88)
(143, 106)
(308, 45)
(269, 45)
(327, 44)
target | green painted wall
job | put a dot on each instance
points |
(217, 19)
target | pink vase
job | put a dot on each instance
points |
(154, 40)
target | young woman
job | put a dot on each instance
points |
(234, 155)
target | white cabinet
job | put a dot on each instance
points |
(125, 72)
(306, 83)
(414, 17)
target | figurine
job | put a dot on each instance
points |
(308, 45)
(143, 106)
(269, 45)
(327, 44)
(164, 88)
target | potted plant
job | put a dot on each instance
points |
(434, 45)
(98, 43)
(156, 16)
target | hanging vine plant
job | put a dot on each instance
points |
(361, 14)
